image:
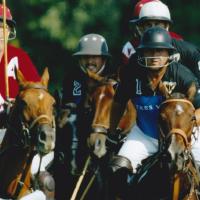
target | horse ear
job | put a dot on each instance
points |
(20, 77)
(197, 116)
(45, 77)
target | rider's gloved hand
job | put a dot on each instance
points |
(5, 111)
(70, 106)
(65, 113)
(114, 140)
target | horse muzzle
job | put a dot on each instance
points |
(46, 139)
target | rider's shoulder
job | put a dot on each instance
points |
(185, 45)
(175, 35)
(15, 50)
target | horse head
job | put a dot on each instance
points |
(33, 114)
(177, 120)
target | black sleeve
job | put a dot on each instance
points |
(126, 86)
(189, 56)
(67, 89)
(186, 79)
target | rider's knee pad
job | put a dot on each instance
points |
(120, 162)
(120, 169)
(46, 181)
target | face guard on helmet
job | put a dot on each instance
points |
(10, 23)
(155, 38)
(92, 45)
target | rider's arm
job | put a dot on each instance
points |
(121, 98)
(189, 56)
(117, 111)
(188, 84)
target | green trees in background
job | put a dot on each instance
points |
(49, 30)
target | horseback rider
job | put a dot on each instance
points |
(152, 67)
(17, 58)
(150, 13)
(92, 55)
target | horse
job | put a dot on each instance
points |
(172, 172)
(30, 130)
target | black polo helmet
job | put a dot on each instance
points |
(156, 38)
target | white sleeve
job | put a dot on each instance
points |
(128, 50)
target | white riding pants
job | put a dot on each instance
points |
(139, 146)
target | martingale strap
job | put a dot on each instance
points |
(20, 183)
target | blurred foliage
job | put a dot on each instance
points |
(49, 30)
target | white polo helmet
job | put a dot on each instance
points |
(155, 10)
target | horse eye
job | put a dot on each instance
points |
(22, 104)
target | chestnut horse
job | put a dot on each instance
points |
(177, 122)
(31, 130)
(102, 98)
(171, 173)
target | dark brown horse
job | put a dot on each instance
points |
(30, 130)
(171, 173)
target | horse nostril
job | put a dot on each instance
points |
(42, 135)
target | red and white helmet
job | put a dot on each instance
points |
(155, 10)
(9, 20)
(137, 9)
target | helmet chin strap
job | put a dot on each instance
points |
(85, 70)
(101, 69)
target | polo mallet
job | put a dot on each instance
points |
(89, 185)
(80, 180)
(5, 49)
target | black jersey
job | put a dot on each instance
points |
(74, 85)
(189, 56)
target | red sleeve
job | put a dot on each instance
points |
(27, 67)
(175, 36)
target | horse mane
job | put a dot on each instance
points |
(102, 80)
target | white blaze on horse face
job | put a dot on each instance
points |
(101, 96)
(41, 96)
(179, 109)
